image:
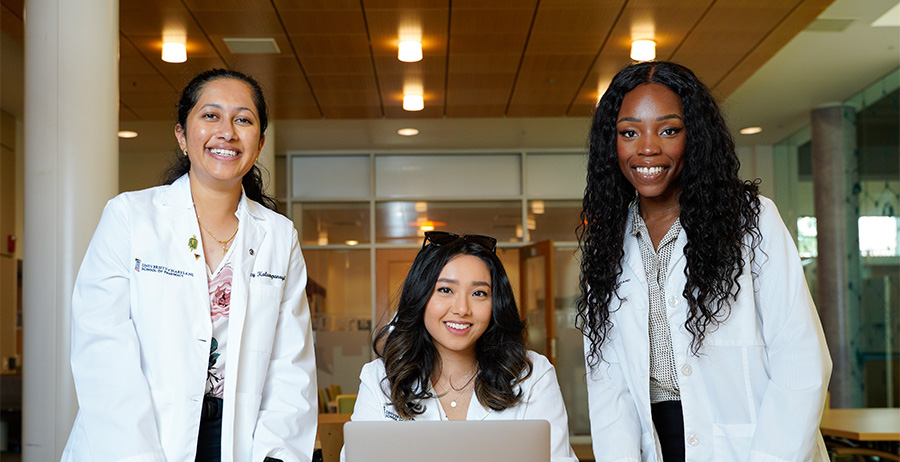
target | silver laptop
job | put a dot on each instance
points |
(448, 441)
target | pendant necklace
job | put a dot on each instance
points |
(224, 243)
(460, 390)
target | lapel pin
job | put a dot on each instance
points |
(196, 256)
(251, 251)
(192, 243)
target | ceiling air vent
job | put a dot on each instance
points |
(829, 25)
(252, 46)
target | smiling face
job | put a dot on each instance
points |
(459, 309)
(650, 142)
(222, 134)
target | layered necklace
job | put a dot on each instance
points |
(459, 391)
(224, 243)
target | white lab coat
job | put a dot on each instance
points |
(541, 400)
(141, 333)
(756, 390)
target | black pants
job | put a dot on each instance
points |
(669, 423)
(209, 440)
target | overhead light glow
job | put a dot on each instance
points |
(323, 238)
(421, 206)
(537, 207)
(643, 50)
(127, 134)
(173, 52)
(750, 130)
(351, 242)
(408, 132)
(413, 102)
(410, 51)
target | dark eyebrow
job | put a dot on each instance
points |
(481, 283)
(219, 107)
(448, 280)
(660, 119)
(670, 116)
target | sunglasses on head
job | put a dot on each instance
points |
(440, 238)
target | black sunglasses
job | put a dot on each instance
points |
(440, 238)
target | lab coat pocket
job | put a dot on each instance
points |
(262, 315)
(733, 441)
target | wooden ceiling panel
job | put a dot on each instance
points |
(592, 18)
(331, 45)
(356, 82)
(294, 112)
(477, 63)
(506, 57)
(477, 110)
(240, 23)
(344, 97)
(241, 6)
(390, 65)
(727, 34)
(475, 44)
(469, 89)
(432, 110)
(315, 5)
(404, 4)
(782, 33)
(492, 21)
(326, 22)
(265, 64)
(337, 65)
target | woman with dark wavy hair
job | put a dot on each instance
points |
(455, 348)
(701, 339)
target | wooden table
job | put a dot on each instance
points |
(866, 424)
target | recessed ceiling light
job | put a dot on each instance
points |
(413, 102)
(351, 242)
(750, 130)
(408, 132)
(643, 50)
(127, 134)
(409, 51)
(174, 52)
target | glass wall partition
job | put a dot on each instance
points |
(362, 218)
(878, 189)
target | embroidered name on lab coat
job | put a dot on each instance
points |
(391, 414)
(140, 266)
(264, 274)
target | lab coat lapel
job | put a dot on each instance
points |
(247, 244)
(633, 317)
(177, 210)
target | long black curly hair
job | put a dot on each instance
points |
(254, 186)
(409, 354)
(717, 209)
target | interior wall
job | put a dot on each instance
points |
(8, 243)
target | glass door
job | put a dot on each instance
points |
(536, 297)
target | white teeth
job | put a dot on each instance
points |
(223, 152)
(456, 325)
(649, 170)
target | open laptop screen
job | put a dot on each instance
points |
(450, 441)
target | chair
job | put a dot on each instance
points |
(323, 401)
(332, 391)
(345, 403)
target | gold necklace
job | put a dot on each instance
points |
(224, 243)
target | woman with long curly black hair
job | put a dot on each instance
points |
(701, 339)
(455, 349)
